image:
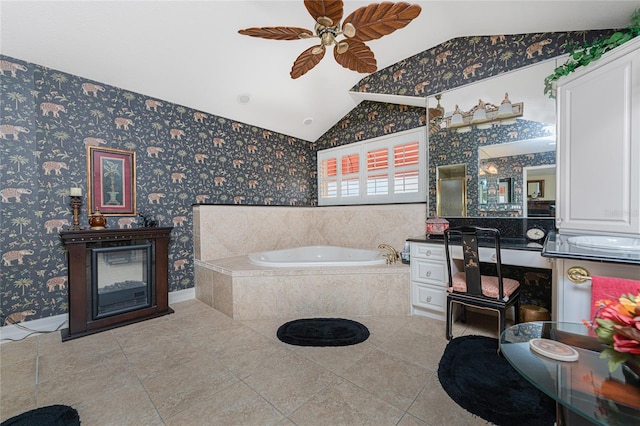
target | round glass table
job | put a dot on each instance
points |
(585, 386)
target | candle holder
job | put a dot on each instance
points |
(76, 203)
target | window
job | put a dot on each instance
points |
(388, 169)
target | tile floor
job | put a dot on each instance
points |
(199, 367)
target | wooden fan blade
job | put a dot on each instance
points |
(377, 20)
(332, 9)
(276, 33)
(357, 58)
(307, 60)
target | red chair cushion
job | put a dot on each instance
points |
(489, 285)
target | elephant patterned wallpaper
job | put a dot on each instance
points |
(183, 157)
(370, 120)
(464, 60)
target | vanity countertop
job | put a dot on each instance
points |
(505, 243)
(557, 245)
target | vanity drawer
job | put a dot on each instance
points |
(429, 272)
(427, 251)
(428, 297)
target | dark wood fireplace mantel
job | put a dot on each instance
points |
(82, 319)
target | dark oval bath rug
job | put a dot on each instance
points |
(485, 384)
(52, 415)
(322, 332)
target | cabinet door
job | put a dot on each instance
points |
(599, 145)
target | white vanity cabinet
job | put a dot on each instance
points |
(598, 153)
(572, 301)
(428, 280)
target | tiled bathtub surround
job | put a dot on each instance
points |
(225, 280)
(225, 231)
(244, 291)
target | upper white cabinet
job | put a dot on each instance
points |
(598, 153)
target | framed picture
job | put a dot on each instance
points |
(535, 189)
(111, 179)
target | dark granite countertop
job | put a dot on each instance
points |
(506, 243)
(557, 246)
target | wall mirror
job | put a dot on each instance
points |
(500, 155)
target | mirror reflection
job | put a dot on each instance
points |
(452, 190)
(535, 189)
(541, 191)
(505, 146)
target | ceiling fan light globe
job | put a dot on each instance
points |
(343, 46)
(328, 39)
(325, 21)
(349, 30)
(317, 50)
(305, 36)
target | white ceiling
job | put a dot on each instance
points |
(190, 53)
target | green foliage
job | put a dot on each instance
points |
(580, 56)
(614, 358)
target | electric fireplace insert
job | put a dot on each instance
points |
(116, 277)
(121, 279)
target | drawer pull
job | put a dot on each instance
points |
(428, 273)
(428, 253)
(493, 258)
(428, 299)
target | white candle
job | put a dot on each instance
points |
(75, 192)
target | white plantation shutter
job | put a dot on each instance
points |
(377, 176)
(406, 163)
(328, 178)
(350, 182)
(390, 169)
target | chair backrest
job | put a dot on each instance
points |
(468, 236)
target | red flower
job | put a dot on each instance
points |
(617, 324)
(617, 313)
(622, 344)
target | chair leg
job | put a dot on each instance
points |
(463, 314)
(449, 313)
(516, 312)
(502, 315)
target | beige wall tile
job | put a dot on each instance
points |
(227, 231)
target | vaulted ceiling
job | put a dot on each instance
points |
(190, 52)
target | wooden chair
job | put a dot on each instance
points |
(468, 287)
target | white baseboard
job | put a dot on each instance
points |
(182, 295)
(12, 332)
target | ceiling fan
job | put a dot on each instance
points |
(365, 23)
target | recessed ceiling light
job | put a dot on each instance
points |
(244, 98)
(307, 121)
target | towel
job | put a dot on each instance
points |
(610, 288)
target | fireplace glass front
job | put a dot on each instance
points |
(121, 278)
